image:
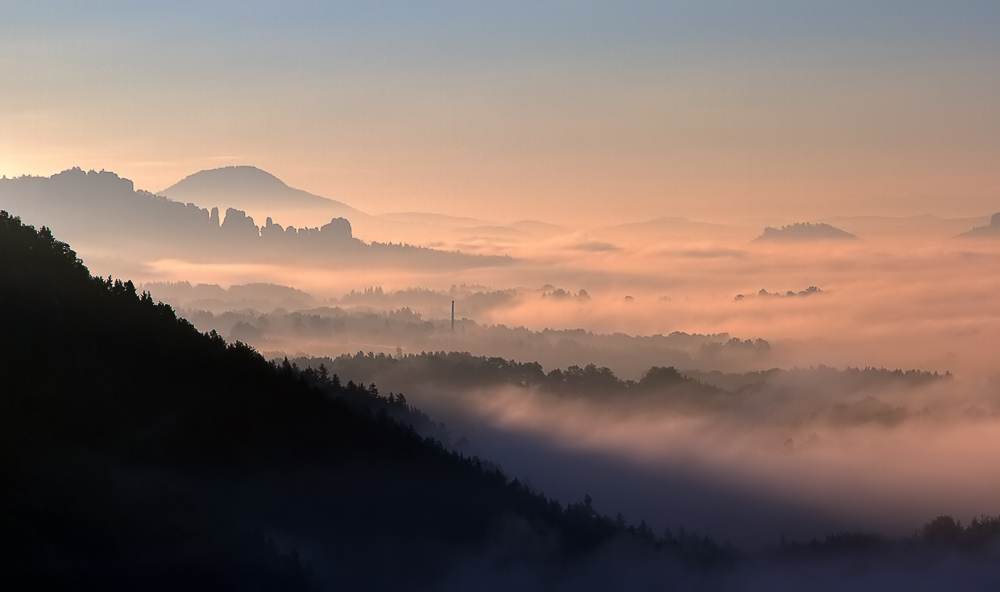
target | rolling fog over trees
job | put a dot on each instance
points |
(539, 296)
(336, 330)
(758, 405)
(231, 471)
(775, 401)
(708, 445)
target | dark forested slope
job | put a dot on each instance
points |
(137, 453)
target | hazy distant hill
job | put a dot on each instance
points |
(255, 296)
(103, 212)
(991, 230)
(804, 231)
(540, 228)
(669, 228)
(260, 194)
(922, 226)
(434, 219)
(99, 208)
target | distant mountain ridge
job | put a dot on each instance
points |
(103, 211)
(261, 194)
(918, 226)
(668, 228)
(229, 179)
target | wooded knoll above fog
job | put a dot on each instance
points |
(804, 231)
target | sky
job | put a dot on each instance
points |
(578, 112)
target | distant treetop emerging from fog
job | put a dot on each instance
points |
(805, 231)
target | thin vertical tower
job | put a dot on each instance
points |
(452, 316)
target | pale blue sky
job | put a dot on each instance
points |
(522, 108)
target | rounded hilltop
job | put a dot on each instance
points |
(230, 179)
(259, 194)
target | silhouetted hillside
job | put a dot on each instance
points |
(923, 226)
(260, 195)
(991, 230)
(668, 228)
(804, 231)
(103, 211)
(140, 453)
(258, 296)
(137, 453)
(540, 228)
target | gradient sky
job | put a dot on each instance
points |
(568, 111)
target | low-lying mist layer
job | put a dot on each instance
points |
(144, 447)
(895, 304)
(760, 452)
(809, 451)
(334, 330)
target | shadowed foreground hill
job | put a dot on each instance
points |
(138, 453)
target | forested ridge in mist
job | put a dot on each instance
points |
(344, 330)
(103, 211)
(139, 452)
(840, 396)
(278, 319)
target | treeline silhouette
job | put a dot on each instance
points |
(850, 378)
(941, 536)
(804, 231)
(464, 370)
(660, 387)
(140, 453)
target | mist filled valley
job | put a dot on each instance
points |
(822, 383)
(764, 388)
(539, 296)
